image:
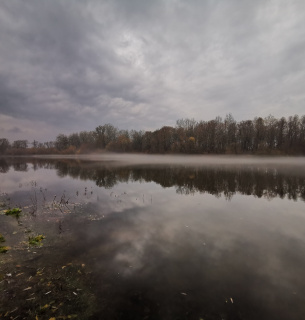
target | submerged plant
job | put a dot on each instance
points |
(2, 239)
(34, 241)
(3, 249)
(13, 212)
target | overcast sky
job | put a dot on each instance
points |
(68, 66)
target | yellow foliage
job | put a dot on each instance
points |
(44, 307)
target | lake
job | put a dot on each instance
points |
(153, 237)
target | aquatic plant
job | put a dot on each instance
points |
(34, 241)
(13, 212)
(3, 249)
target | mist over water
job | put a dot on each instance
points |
(190, 160)
(173, 237)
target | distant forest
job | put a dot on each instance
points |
(219, 136)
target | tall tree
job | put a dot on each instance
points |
(4, 145)
(246, 135)
(61, 142)
(259, 134)
(20, 144)
(105, 134)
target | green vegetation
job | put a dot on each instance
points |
(34, 241)
(13, 212)
(3, 249)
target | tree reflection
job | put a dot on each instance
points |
(268, 182)
(4, 167)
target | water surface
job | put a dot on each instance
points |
(156, 237)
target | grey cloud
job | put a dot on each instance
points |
(15, 130)
(11, 99)
(144, 64)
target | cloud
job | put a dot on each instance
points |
(17, 128)
(143, 65)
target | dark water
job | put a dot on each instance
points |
(180, 238)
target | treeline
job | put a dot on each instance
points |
(219, 136)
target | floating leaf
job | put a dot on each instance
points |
(44, 307)
(29, 288)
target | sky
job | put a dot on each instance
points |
(69, 66)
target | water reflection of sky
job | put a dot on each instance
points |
(150, 247)
(246, 249)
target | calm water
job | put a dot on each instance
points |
(155, 237)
